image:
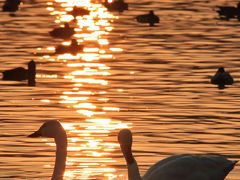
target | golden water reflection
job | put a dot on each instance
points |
(89, 143)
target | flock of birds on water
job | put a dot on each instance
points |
(177, 167)
(221, 78)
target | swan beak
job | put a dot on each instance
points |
(35, 134)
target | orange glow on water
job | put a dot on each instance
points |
(89, 148)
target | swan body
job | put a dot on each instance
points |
(117, 5)
(228, 12)
(150, 18)
(20, 73)
(178, 167)
(73, 48)
(65, 33)
(222, 78)
(79, 11)
(53, 129)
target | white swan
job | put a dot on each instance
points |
(178, 167)
(54, 129)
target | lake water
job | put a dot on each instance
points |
(154, 80)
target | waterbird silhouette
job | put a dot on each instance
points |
(150, 18)
(117, 5)
(73, 48)
(54, 129)
(65, 32)
(178, 167)
(228, 12)
(11, 6)
(20, 73)
(78, 11)
(222, 78)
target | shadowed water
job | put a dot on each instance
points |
(154, 80)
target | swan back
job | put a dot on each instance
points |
(191, 167)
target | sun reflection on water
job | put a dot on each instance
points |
(89, 138)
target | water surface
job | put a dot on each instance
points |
(154, 80)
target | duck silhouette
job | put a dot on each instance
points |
(222, 78)
(228, 12)
(177, 167)
(73, 48)
(78, 11)
(150, 18)
(11, 6)
(62, 32)
(20, 74)
(117, 5)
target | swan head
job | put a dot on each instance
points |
(51, 129)
(125, 141)
(125, 137)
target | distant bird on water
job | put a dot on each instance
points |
(20, 73)
(222, 78)
(117, 5)
(228, 12)
(65, 32)
(150, 18)
(178, 167)
(11, 6)
(73, 48)
(79, 11)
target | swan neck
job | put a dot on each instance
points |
(61, 155)
(133, 171)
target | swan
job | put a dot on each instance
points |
(54, 129)
(73, 48)
(20, 73)
(117, 5)
(62, 32)
(150, 18)
(79, 11)
(222, 78)
(178, 167)
(228, 12)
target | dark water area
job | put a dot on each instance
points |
(154, 80)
